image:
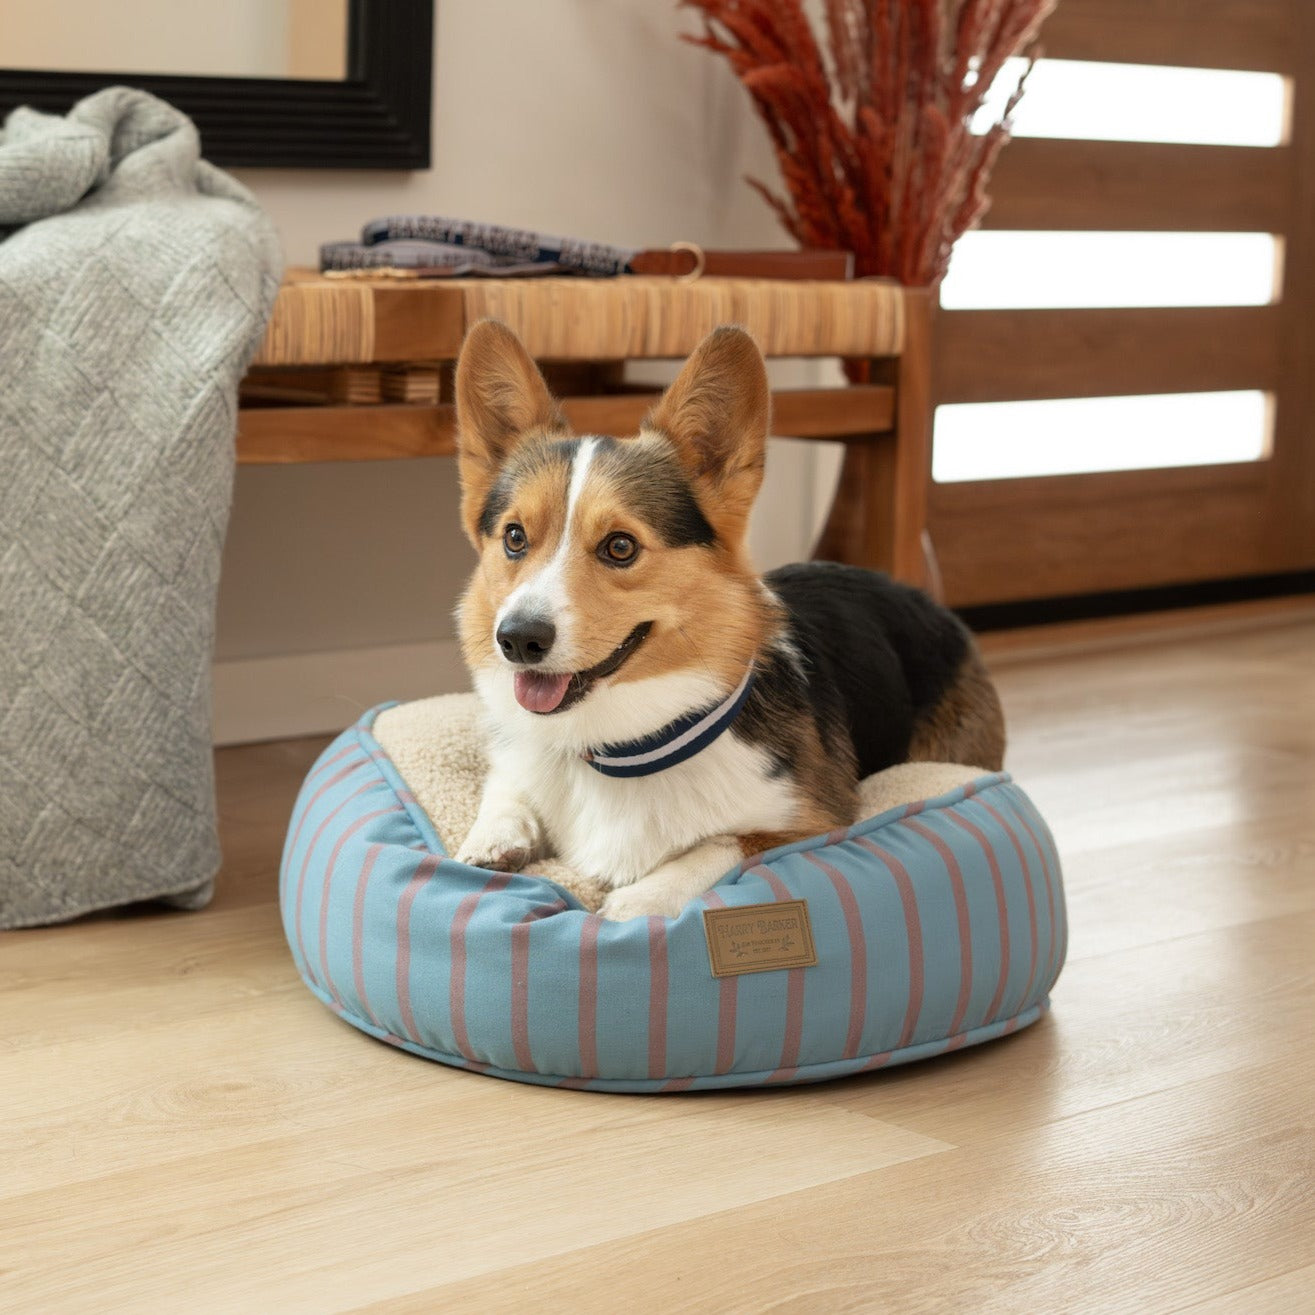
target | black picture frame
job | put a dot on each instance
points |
(375, 118)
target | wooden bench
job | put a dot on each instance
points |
(361, 370)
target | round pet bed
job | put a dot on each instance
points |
(935, 924)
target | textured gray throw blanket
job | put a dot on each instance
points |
(135, 282)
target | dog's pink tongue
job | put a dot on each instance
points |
(540, 691)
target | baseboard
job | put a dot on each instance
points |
(279, 698)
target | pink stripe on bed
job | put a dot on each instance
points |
(727, 1003)
(388, 1036)
(424, 870)
(305, 864)
(588, 1005)
(657, 996)
(358, 931)
(1052, 958)
(334, 855)
(794, 995)
(337, 758)
(1001, 907)
(520, 992)
(1026, 870)
(520, 982)
(858, 954)
(961, 913)
(457, 979)
(304, 813)
(912, 932)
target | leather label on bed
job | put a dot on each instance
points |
(756, 938)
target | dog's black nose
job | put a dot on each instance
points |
(526, 639)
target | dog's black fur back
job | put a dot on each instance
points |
(879, 654)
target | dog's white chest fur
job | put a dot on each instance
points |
(619, 829)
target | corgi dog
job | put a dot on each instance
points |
(658, 712)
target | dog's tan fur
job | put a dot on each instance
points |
(687, 615)
(503, 401)
(967, 725)
(717, 413)
(506, 407)
(542, 515)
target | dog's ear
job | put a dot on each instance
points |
(717, 414)
(501, 400)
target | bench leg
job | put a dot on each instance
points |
(879, 516)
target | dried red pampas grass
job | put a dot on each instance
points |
(874, 137)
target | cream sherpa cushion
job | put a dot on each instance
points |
(437, 746)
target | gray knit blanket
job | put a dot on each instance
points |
(135, 283)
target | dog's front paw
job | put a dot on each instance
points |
(505, 843)
(641, 901)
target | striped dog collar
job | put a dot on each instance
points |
(675, 742)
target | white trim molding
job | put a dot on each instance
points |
(276, 698)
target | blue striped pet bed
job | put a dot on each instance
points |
(936, 925)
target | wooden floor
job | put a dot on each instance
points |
(186, 1128)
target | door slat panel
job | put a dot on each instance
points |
(1079, 534)
(1021, 539)
(1015, 355)
(1041, 183)
(1240, 34)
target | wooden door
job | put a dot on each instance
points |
(1001, 540)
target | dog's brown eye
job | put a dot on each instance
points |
(514, 540)
(618, 550)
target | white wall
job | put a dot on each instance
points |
(240, 38)
(587, 117)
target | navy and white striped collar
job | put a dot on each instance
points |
(676, 742)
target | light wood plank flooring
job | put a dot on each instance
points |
(185, 1128)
